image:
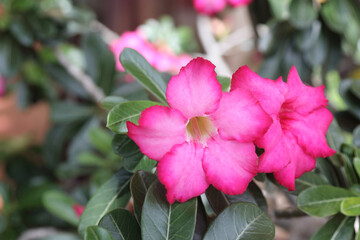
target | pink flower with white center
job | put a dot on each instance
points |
(160, 57)
(300, 121)
(2, 86)
(210, 7)
(204, 137)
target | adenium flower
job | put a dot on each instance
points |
(78, 209)
(159, 56)
(2, 86)
(300, 121)
(210, 7)
(204, 136)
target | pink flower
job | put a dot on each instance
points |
(210, 7)
(300, 121)
(2, 86)
(204, 137)
(160, 57)
(78, 209)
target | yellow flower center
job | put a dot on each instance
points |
(200, 129)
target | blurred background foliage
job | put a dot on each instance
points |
(47, 48)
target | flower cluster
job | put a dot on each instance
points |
(160, 56)
(210, 7)
(207, 136)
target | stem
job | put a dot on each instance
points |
(87, 82)
(210, 44)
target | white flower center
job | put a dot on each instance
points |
(200, 129)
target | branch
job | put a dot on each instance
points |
(107, 34)
(87, 82)
(210, 44)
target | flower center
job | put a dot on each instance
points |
(200, 129)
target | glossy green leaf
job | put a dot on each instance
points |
(335, 13)
(127, 148)
(101, 139)
(162, 221)
(11, 56)
(97, 233)
(61, 205)
(225, 83)
(111, 101)
(307, 38)
(322, 201)
(139, 185)
(121, 224)
(219, 200)
(308, 180)
(145, 163)
(113, 194)
(337, 228)
(280, 9)
(100, 63)
(201, 221)
(302, 13)
(241, 221)
(127, 111)
(351, 206)
(144, 73)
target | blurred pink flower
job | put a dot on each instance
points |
(78, 209)
(210, 7)
(197, 140)
(2, 86)
(300, 122)
(159, 56)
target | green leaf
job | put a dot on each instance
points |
(322, 201)
(160, 220)
(219, 200)
(225, 83)
(146, 164)
(357, 165)
(302, 13)
(127, 148)
(335, 13)
(356, 135)
(90, 159)
(121, 224)
(316, 54)
(21, 31)
(241, 221)
(67, 112)
(350, 99)
(61, 205)
(337, 228)
(97, 233)
(139, 185)
(351, 206)
(111, 101)
(307, 38)
(113, 194)
(280, 9)
(101, 139)
(144, 73)
(127, 111)
(11, 56)
(308, 180)
(100, 63)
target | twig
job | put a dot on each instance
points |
(95, 92)
(107, 34)
(210, 45)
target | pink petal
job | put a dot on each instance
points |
(240, 117)
(277, 149)
(160, 128)
(239, 2)
(182, 173)
(310, 131)
(195, 91)
(78, 209)
(135, 41)
(302, 98)
(2, 86)
(209, 7)
(299, 164)
(229, 165)
(269, 93)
